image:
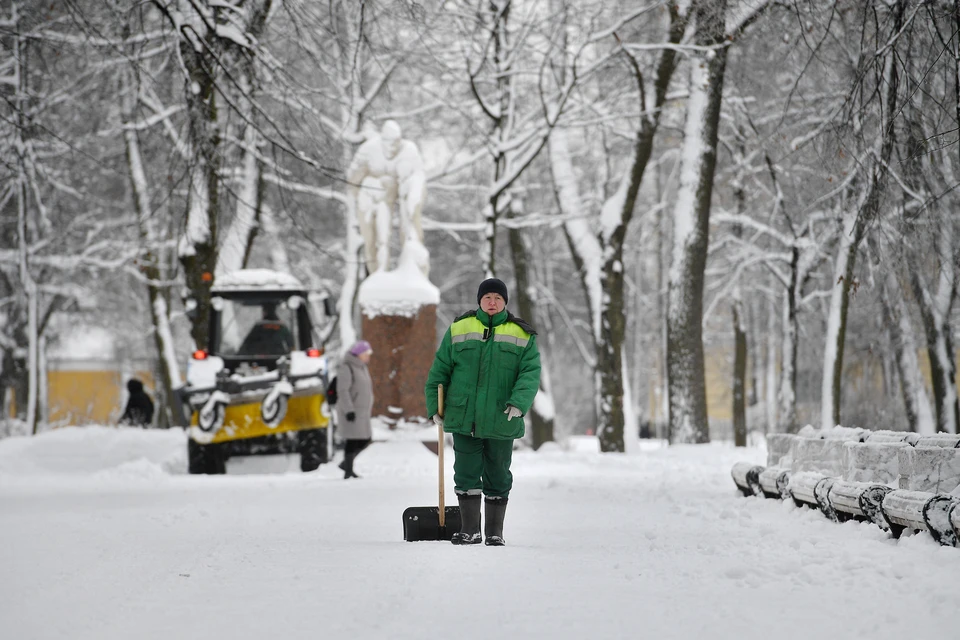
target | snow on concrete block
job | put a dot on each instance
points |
(823, 456)
(855, 434)
(944, 440)
(888, 437)
(834, 433)
(808, 431)
(932, 469)
(778, 449)
(869, 462)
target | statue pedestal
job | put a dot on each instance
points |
(399, 320)
(403, 350)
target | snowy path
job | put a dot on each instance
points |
(657, 545)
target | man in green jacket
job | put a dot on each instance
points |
(489, 366)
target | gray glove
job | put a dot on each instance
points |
(438, 419)
(512, 412)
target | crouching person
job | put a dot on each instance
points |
(489, 366)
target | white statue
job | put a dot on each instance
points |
(386, 174)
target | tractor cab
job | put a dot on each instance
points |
(261, 381)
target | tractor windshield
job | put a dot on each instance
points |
(257, 328)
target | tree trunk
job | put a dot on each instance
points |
(787, 395)
(685, 365)
(238, 240)
(610, 357)
(837, 325)
(739, 377)
(584, 244)
(601, 263)
(610, 426)
(916, 403)
(199, 247)
(770, 371)
(753, 356)
(30, 288)
(854, 228)
(542, 413)
(279, 260)
(936, 327)
(152, 264)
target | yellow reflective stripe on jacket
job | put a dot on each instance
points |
(467, 329)
(517, 340)
(473, 329)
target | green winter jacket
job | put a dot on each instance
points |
(485, 363)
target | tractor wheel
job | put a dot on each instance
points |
(205, 458)
(312, 444)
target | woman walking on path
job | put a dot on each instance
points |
(354, 404)
(489, 366)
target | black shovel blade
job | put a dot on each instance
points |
(423, 523)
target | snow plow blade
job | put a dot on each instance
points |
(423, 523)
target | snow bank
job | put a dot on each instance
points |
(124, 452)
(598, 546)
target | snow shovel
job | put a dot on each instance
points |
(432, 523)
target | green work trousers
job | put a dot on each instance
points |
(482, 464)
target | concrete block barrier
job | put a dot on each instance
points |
(943, 440)
(931, 469)
(896, 480)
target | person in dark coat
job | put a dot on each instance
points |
(354, 404)
(139, 410)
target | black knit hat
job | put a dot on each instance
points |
(492, 285)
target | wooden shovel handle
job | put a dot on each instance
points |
(443, 508)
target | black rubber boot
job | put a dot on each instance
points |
(493, 521)
(347, 466)
(469, 520)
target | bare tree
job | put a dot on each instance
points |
(685, 366)
(597, 246)
(867, 180)
(154, 259)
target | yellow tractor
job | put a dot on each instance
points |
(260, 385)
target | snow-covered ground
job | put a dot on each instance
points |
(102, 535)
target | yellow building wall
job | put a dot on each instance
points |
(718, 366)
(89, 396)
